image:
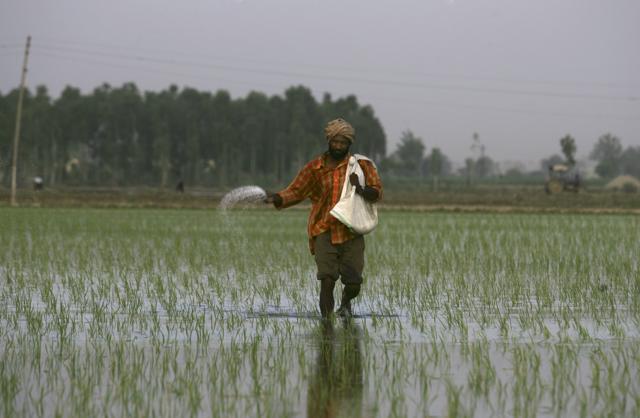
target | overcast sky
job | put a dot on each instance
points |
(520, 73)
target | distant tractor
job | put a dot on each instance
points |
(561, 178)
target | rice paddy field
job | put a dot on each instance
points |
(120, 312)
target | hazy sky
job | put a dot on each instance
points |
(521, 73)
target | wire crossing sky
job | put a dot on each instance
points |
(520, 74)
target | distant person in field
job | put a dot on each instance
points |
(338, 252)
(38, 183)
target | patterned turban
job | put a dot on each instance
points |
(339, 127)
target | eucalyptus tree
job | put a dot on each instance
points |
(568, 145)
(222, 135)
(275, 156)
(37, 126)
(485, 167)
(125, 109)
(304, 126)
(253, 132)
(370, 133)
(437, 165)
(104, 136)
(410, 151)
(6, 126)
(192, 104)
(166, 127)
(607, 152)
(73, 134)
(630, 161)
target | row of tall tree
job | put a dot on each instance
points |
(122, 136)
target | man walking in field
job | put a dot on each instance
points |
(338, 252)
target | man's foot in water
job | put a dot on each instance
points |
(345, 310)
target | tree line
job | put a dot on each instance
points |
(120, 136)
(410, 159)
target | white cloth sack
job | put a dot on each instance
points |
(352, 210)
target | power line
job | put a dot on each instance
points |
(515, 110)
(150, 70)
(404, 99)
(343, 78)
(396, 71)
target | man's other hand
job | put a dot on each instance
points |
(353, 178)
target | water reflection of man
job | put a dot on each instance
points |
(336, 385)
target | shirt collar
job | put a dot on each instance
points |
(320, 161)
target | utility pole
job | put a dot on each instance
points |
(16, 135)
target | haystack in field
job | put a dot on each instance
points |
(625, 183)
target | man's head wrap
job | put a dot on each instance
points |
(339, 127)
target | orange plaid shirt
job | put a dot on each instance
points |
(323, 185)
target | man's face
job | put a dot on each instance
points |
(339, 147)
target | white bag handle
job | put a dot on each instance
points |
(352, 167)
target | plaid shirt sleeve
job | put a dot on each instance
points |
(371, 177)
(300, 188)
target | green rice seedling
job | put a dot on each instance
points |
(165, 313)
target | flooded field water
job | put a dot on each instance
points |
(204, 313)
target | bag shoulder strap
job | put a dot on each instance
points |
(359, 157)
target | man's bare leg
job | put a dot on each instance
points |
(326, 296)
